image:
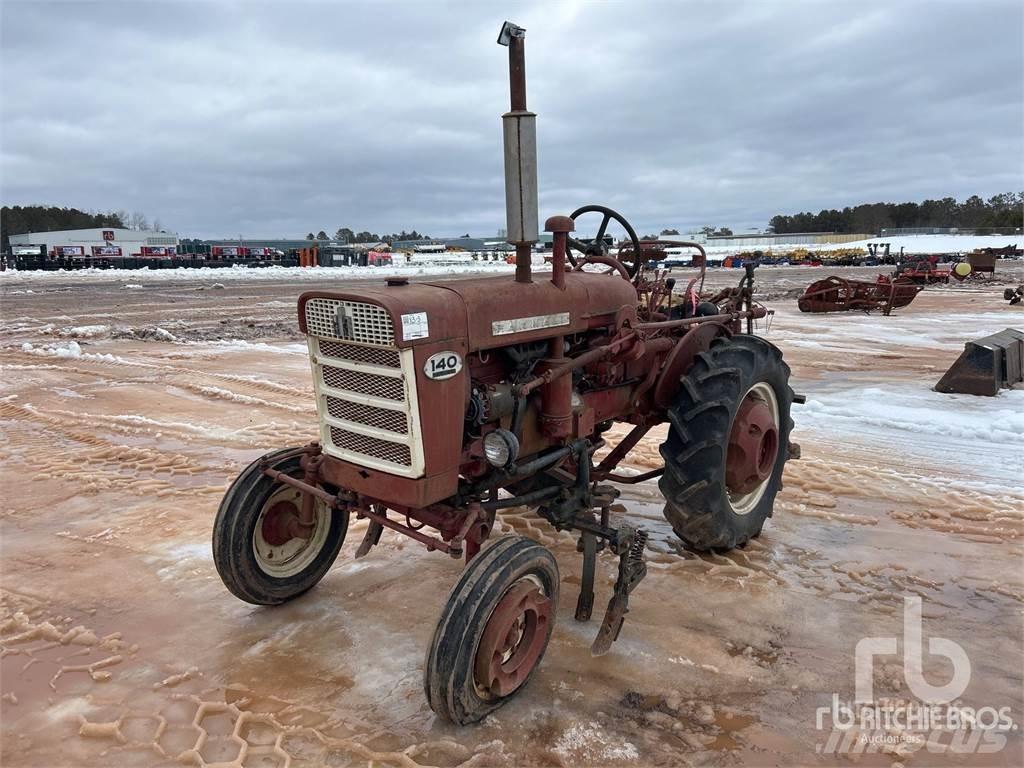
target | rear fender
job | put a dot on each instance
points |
(697, 340)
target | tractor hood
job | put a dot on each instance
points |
(489, 311)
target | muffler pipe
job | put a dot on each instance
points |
(520, 131)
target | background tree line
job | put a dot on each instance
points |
(1005, 210)
(346, 235)
(18, 219)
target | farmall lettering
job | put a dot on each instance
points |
(443, 402)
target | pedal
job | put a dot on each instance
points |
(631, 545)
(370, 538)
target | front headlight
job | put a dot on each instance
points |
(501, 448)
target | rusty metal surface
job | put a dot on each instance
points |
(753, 446)
(837, 294)
(986, 365)
(279, 524)
(982, 261)
(587, 299)
(681, 358)
(513, 640)
(447, 319)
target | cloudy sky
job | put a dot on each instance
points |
(276, 118)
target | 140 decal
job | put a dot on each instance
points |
(442, 365)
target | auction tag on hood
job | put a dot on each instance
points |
(414, 326)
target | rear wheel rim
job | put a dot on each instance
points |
(753, 448)
(513, 640)
(277, 553)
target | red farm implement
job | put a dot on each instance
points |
(837, 294)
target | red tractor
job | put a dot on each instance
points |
(442, 402)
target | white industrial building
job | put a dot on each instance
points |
(130, 241)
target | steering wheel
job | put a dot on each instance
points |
(595, 253)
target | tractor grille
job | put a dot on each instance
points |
(388, 358)
(365, 387)
(368, 415)
(371, 446)
(350, 320)
(363, 383)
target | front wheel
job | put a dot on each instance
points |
(256, 553)
(493, 631)
(727, 443)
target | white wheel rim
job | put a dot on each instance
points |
(295, 555)
(743, 504)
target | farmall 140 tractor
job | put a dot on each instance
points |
(442, 402)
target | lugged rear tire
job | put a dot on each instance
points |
(241, 565)
(698, 502)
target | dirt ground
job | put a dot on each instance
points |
(125, 412)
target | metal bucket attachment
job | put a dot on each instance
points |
(986, 365)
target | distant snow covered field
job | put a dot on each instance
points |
(240, 273)
(935, 243)
(131, 277)
(909, 244)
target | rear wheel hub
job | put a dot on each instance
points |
(753, 447)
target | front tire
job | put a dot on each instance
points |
(256, 558)
(493, 631)
(727, 443)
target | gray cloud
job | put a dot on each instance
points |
(276, 118)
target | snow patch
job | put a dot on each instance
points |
(241, 345)
(590, 744)
(86, 331)
(163, 335)
(70, 350)
(917, 409)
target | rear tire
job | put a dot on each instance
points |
(704, 511)
(244, 546)
(509, 592)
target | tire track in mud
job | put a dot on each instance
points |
(939, 502)
(99, 367)
(221, 387)
(74, 423)
(47, 449)
(126, 711)
(780, 564)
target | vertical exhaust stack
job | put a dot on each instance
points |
(520, 128)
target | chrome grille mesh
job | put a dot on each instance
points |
(396, 453)
(349, 320)
(387, 358)
(387, 387)
(369, 415)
